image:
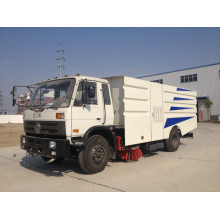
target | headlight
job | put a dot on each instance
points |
(23, 140)
(52, 145)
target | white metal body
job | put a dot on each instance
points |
(147, 111)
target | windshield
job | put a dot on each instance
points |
(57, 94)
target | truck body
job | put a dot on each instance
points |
(84, 117)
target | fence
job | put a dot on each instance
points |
(11, 119)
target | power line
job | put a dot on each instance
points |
(81, 66)
(90, 62)
(28, 67)
(62, 58)
(26, 48)
(27, 58)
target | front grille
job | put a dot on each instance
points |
(46, 128)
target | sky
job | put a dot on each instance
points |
(28, 55)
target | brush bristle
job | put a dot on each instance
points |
(130, 154)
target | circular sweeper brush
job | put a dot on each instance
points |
(127, 153)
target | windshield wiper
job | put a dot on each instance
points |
(52, 107)
(41, 107)
(29, 107)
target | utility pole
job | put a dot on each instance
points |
(60, 51)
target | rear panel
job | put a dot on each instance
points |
(179, 109)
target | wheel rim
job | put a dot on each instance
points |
(98, 154)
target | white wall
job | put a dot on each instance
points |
(11, 119)
(208, 83)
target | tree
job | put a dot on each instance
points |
(208, 104)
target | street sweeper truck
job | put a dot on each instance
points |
(100, 119)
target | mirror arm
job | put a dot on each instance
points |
(30, 89)
(13, 92)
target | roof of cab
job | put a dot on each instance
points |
(78, 77)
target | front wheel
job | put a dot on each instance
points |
(172, 144)
(94, 156)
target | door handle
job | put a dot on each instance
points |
(98, 118)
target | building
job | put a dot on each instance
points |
(3, 112)
(204, 79)
(1, 103)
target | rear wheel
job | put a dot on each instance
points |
(172, 144)
(94, 156)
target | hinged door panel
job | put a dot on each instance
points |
(136, 111)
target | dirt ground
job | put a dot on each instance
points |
(10, 134)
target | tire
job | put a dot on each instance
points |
(172, 144)
(52, 160)
(94, 156)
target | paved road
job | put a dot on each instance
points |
(194, 167)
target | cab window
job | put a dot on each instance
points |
(83, 94)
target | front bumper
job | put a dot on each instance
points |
(40, 146)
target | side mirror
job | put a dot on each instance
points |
(13, 91)
(91, 92)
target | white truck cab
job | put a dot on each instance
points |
(77, 102)
(94, 119)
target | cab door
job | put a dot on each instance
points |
(86, 110)
(106, 105)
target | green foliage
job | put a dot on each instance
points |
(208, 103)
